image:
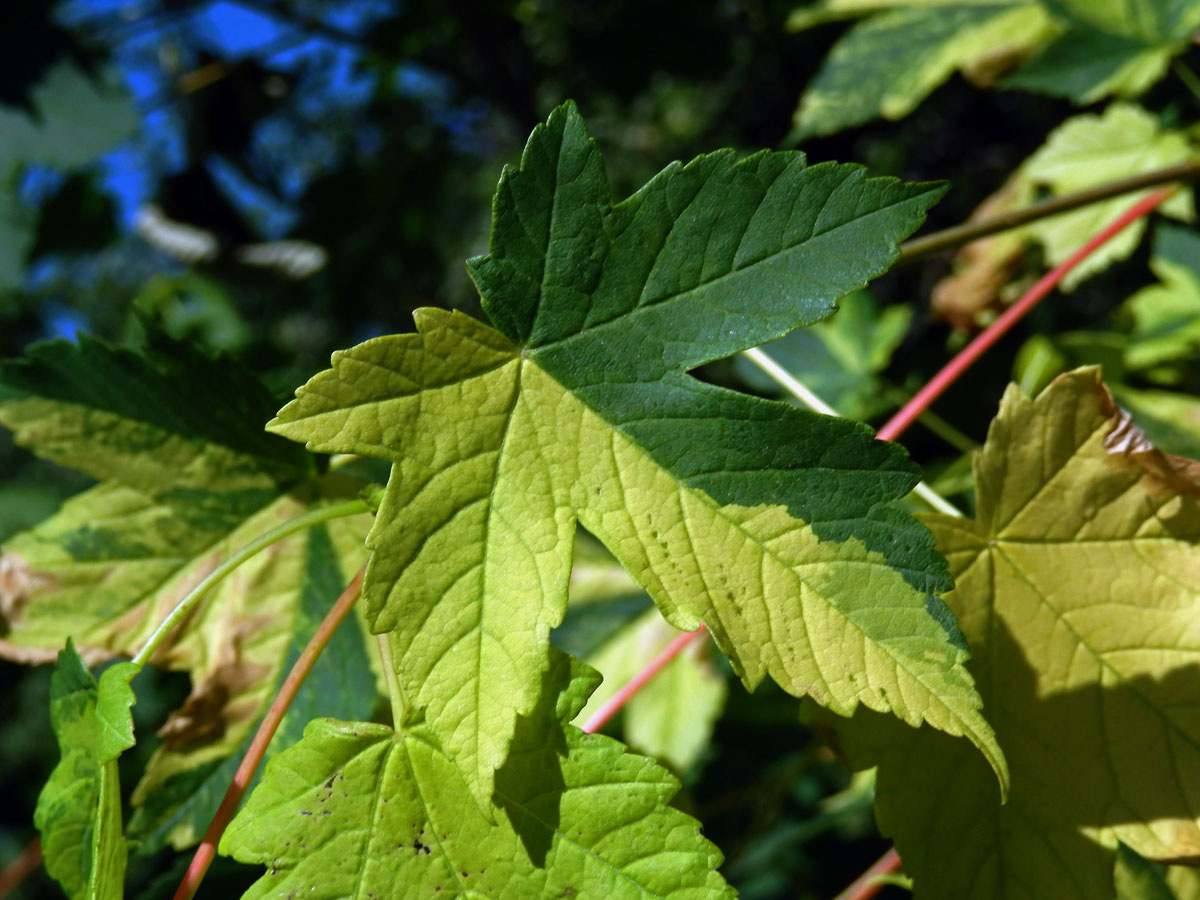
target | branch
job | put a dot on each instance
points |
(868, 884)
(266, 730)
(22, 866)
(951, 238)
(990, 335)
(639, 681)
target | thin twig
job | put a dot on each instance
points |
(638, 681)
(266, 730)
(921, 248)
(989, 336)
(22, 866)
(935, 423)
(868, 884)
(185, 606)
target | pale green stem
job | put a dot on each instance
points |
(395, 692)
(936, 500)
(802, 393)
(185, 606)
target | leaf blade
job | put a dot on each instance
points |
(1086, 673)
(391, 808)
(594, 418)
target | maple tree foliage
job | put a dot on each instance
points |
(1021, 680)
(769, 524)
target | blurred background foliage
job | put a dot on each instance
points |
(276, 179)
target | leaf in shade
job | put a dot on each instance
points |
(189, 478)
(1166, 316)
(672, 717)
(887, 64)
(1076, 587)
(840, 359)
(177, 796)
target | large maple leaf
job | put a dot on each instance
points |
(1077, 587)
(769, 524)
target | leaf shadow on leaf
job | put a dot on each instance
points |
(541, 732)
(1094, 757)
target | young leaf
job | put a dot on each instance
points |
(79, 810)
(359, 810)
(892, 61)
(1088, 150)
(1076, 588)
(770, 524)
